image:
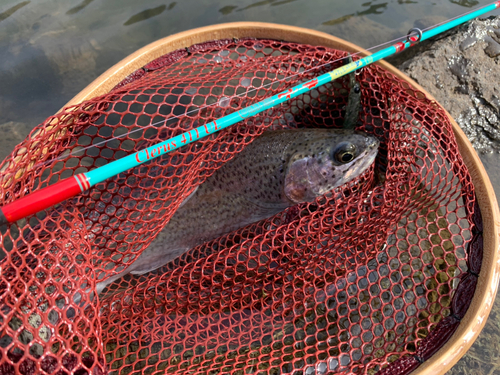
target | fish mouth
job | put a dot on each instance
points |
(371, 151)
(372, 143)
(369, 154)
(370, 160)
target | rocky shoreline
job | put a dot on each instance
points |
(462, 71)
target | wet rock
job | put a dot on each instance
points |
(462, 70)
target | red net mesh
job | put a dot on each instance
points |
(373, 278)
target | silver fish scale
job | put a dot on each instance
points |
(253, 185)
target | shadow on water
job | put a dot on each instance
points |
(465, 3)
(227, 9)
(148, 13)
(373, 9)
(9, 12)
(265, 2)
(79, 7)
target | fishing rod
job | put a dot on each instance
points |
(44, 198)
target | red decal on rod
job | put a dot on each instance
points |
(137, 157)
(399, 47)
(287, 94)
(83, 180)
(311, 84)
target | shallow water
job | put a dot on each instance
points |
(51, 49)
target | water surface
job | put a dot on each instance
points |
(51, 49)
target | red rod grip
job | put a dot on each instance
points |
(40, 200)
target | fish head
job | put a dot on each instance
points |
(328, 159)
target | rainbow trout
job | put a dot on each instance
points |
(277, 170)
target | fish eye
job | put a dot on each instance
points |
(344, 152)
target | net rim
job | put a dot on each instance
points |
(482, 302)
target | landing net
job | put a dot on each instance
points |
(373, 278)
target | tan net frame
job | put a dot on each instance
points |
(376, 280)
